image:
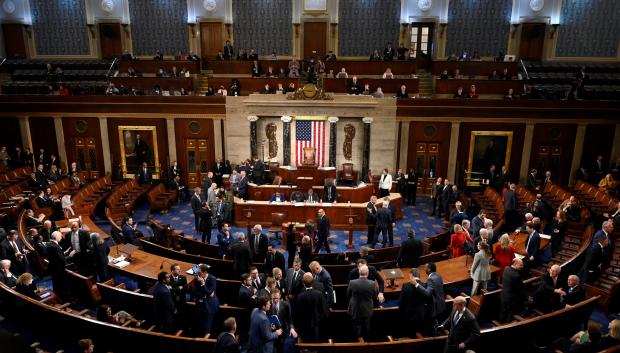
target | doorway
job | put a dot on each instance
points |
(211, 39)
(110, 40)
(532, 41)
(422, 43)
(315, 39)
(426, 166)
(14, 43)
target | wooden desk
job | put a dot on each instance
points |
(453, 271)
(251, 84)
(519, 240)
(145, 265)
(152, 66)
(147, 83)
(318, 175)
(337, 213)
(244, 66)
(388, 86)
(477, 68)
(366, 67)
(482, 86)
(345, 193)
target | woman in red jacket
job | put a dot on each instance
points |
(457, 239)
(504, 252)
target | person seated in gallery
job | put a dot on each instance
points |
(311, 196)
(131, 72)
(510, 94)
(277, 197)
(494, 76)
(366, 91)
(472, 92)
(457, 75)
(444, 75)
(378, 93)
(355, 87)
(242, 55)
(291, 87)
(375, 56)
(402, 93)
(388, 73)
(235, 88)
(253, 56)
(297, 196)
(222, 91)
(459, 93)
(220, 56)
(158, 56)
(342, 74)
(266, 89)
(175, 72)
(161, 73)
(505, 75)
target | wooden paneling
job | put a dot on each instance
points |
(518, 133)
(148, 83)
(532, 41)
(43, 135)
(477, 68)
(162, 140)
(14, 42)
(110, 40)
(429, 133)
(211, 39)
(15, 137)
(482, 86)
(557, 142)
(391, 86)
(183, 131)
(74, 127)
(315, 39)
(598, 141)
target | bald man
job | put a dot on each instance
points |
(549, 292)
(463, 326)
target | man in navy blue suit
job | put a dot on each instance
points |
(262, 332)
(207, 303)
(224, 238)
(532, 247)
(128, 229)
(163, 303)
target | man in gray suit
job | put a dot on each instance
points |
(433, 289)
(361, 293)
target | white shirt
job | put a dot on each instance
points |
(385, 182)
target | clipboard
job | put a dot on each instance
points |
(274, 320)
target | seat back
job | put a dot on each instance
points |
(277, 218)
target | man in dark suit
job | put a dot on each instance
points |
(294, 280)
(410, 251)
(531, 180)
(258, 242)
(384, 221)
(57, 263)
(532, 247)
(242, 189)
(274, 259)
(224, 239)
(226, 340)
(128, 229)
(218, 172)
(614, 215)
(163, 304)
(205, 299)
(228, 51)
(412, 186)
(547, 295)
(371, 219)
(219, 210)
(330, 194)
(12, 249)
(282, 310)
(361, 293)
(599, 169)
(241, 254)
(324, 278)
(144, 174)
(402, 93)
(46, 231)
(510, 206)
(492, 177)
(178, 286)
(595, 260)
(40, 177)
(322, 232)
(196, 202)
(458, 215)
(433, 290)
(79, 241)
(413, 308)
(513, 296)
(446, 190)
(247, 293)
(258, 171)
(574, 292)
(373, 276)
(258, 279)
(310, 310)
(261, 335)
(436, 197)
(175, 171)
(463, 326)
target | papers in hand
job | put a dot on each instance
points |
(115, 260)
(545, 236)
(190, 271)
(519, 256)
(121, 264)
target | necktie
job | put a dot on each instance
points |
(295, 276)
(527, 246)
(457, 317)
(256, 243)
(14, 247)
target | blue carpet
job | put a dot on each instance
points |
(417, 218)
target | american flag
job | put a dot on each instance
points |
(310, 133)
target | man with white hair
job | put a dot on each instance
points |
(549, 292)
(258, 243)
(57, 263)
(488, 225)
(458, 215)
(46, 231)
(483, 236)
(6, 276)
(463, 326)
(574, 293)
(361, 293)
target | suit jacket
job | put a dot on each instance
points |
(129, 237)
(83, 237)
(294, 284)
(242, 189)
(323, 227)
(361, 293)
(574, 296)
(594, 259)
(513, 289)
(56, 259)
(329, 193)
(223, 242)
(311, 308)
(241, 256)
(144, 177)
(466, 330)
(446, 191)
(163, 305)
(433, 289)
(544, 296)
(373, 275)
(9, 281)
(7, 252)
(274, 260)
(175, 172)
(259, 252)
(259, 283)
(510, 200)
(196, 203)
(409, 253)
(412, 305)
(204, 296)
(533, 245)
(384, 217)
(531, 182)
(226, 343)
(328, 288)
(371, 217)
(245, 297)
(261, 337)
(178, 288)
(41, 178)
(283, 312)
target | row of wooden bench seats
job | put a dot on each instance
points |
(524, 196)
(122, 200)
(59, 188)
(13, 196)
(15, 176)
(161, 199)
(86, 199)
(491, 201)
(596, 199)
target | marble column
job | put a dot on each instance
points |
(60, 142)
(404, 145)
(580, 138)
(366, 149)
(333, 121)
(105, 145)
(24, 129)
(454, 147)
(253, 136)
(527, 150)
(286, 139)
(172, 144)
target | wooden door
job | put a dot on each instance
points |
(110, 40)
(14, 42)
(86, 156)
(426, 165)
(550, 158)
(315, 39)
(532, 41)
(196, 160)
(211, 39)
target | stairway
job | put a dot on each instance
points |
(203, 85)
(426, 83)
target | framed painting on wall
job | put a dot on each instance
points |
(138, 145)
(488, 148)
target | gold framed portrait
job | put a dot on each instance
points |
(138, 145)
(488, 148)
